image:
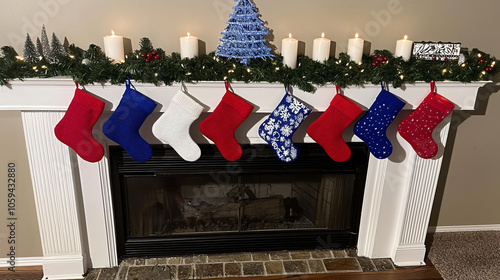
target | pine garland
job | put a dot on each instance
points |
(167, 69)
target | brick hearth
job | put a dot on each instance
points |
(241, 265)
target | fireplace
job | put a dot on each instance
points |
(74, 198)
(169, 206)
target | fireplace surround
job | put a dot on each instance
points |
(74, 200)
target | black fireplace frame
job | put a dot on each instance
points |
(166, 161)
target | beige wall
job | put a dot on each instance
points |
(468, 193)
(13, 149)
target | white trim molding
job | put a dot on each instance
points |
(493, 227)
(22, 261)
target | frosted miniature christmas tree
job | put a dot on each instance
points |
(243, 37)
(30, 52)
(57, 48)
(46, 52)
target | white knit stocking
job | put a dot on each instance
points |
(173, 126)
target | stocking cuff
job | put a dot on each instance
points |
(390, 100)
(238, 103)
(439, 102)
(81, 97)
(188, 104)
(346, 106)
(146, 104)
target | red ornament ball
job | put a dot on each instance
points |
(481, 61)
(154, 53)
(374, 64)
(143, 55)
(157, 56)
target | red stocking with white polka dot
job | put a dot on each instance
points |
(418, 126)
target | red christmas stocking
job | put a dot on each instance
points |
(223, 122)
(418, 126)
(328, 128)
(75, 128)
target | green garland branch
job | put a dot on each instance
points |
(150, 65)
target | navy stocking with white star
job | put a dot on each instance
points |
(280, 126)
(373, 126)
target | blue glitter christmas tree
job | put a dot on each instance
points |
(243, 37)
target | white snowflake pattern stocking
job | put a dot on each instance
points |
(280, 126)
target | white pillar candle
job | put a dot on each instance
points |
(403, 48)
(113, 47)
(355, 48)
(189, 46)
(321, 48)
(289, 49)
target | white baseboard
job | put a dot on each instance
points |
(463, 228)
(28, 261)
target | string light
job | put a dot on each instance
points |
(493, 63)
(483, 73)
(402, 77)
(248, 70)
(18, 57)
(71, 56)
(156, 74)
(463, 65)
(444, 71)
(479, 55)
(44, 66)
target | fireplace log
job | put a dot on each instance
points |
(263, 209)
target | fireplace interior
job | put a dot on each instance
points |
(168, 206)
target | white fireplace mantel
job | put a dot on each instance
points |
(73, 197)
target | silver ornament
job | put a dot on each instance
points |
(461, 59)
(86, 61)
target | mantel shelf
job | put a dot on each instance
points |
(55, 94)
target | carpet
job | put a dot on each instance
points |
(466, 255)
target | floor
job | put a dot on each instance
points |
(243, 265)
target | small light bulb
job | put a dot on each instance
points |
(359, 63)
(44, 66)
(34, 67)
(188, 73)
(493, 63)
(112, 32)
(479, 55)
(290, 35)
(248, 70)
(444, 71)
(402, 77)
(484, 72)
(356, 36)
(463, 65)
(406, 37)
(71, 56)
(277, 68)
(156, 74)
(323, 35)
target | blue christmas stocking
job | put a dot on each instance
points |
(280, 126)
(373, 126)
(123, 125)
